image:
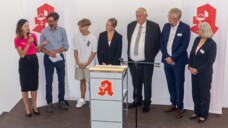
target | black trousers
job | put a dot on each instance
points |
(142, 77)
(201, 85)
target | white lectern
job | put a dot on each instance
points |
(108, 92)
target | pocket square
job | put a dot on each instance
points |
(179, 34)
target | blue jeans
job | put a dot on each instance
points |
(49, 71)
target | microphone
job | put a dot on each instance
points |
(121, 60)
(30, 35)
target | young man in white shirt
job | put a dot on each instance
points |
(85, 48)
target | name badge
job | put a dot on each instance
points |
(202, 51)
(179, 34)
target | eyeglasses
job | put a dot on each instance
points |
(172, 18)
(50, 21)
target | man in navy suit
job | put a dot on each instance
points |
(174, 43)
(143, 45)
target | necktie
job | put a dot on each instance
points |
(136, 50)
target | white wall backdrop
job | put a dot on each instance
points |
(98, 11)
(9, 78)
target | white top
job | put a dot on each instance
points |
(109, 43)
(173, 30)
(141, 49)
(85, 45)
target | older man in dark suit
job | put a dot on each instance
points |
(143, 45)
(174, 43)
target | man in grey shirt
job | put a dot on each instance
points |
(57, 43)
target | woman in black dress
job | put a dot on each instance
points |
(26, 45)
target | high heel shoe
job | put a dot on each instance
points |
(194, 116)
(201, 120)
(28, 115)
(36, 113)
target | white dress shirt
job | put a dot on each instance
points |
(173, 30)
(141, 47)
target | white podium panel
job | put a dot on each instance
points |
(108, 91)
(110, 111)
(97, 124)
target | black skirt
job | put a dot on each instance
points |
(29, 73)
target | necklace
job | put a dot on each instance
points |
(84, 38)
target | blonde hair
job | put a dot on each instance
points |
(84, 22)
(113, 22)
(176, 11)
(206, 29)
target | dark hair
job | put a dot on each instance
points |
(19, 31)
(55, 15)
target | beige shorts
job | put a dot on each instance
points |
(81, 74)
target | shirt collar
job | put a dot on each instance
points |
(143, 25)
(175, 27)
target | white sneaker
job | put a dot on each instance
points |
(80, 103)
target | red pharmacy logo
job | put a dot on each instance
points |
(105, 87)
(41, 19)
(205, 13)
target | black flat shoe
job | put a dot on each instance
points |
(201, 120)
(28, 115)
(194, 116)
(132, 105)
(146, 108)
(36, 113)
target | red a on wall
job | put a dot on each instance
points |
(41, 19)
(205, 13)
(105, 87)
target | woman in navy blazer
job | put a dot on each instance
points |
(201, 61)
(109, 45)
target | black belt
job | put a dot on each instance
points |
(30, 56)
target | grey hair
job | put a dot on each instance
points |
(176, 11)
(206, 29)
(142, 9)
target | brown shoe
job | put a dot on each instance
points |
(170, 108)
(179, 114)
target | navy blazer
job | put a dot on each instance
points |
(109, 54)
(180, 43)
(205, 57)
(153, 34)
